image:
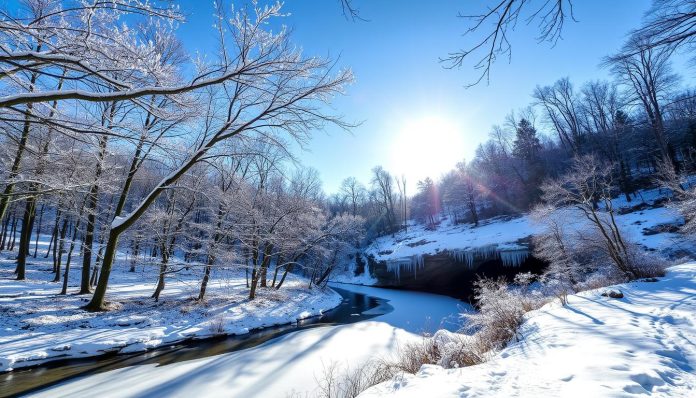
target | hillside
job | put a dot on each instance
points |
(646, 221)
(643, 343)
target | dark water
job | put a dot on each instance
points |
(24, 381)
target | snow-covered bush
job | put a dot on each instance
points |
(599, 279)
(500, 311)
(586, 191)
(456, 349)
(646, 264)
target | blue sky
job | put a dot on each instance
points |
(418, 117)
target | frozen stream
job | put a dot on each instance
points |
(276, 362)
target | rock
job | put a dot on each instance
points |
(649, 280)
(613, 293)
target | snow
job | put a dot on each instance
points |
(420, 240)
(345, 273)
(644, 343)
(286, 366)
(596, 346)
(502, 237)
(349, 277)
(38, 325)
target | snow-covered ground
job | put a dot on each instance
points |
(505, 232)
(38, 325)
(642, 344)
(288, 366)
(347, 275)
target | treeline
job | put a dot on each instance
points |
(638, 121)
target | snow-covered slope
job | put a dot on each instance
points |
(644, 343)
(505, 233)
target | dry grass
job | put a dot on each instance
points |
(349, 383)
(217, 325)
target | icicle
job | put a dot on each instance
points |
(487, 252)
(467, 256)
(410, 264)
(463, 256)
(513, 258)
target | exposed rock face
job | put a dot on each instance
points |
(454, 272)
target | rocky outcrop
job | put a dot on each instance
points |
(453, 272)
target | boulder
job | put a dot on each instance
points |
(612, 293)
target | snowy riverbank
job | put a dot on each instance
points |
(287, 366)
(644, 343)
(37, 325)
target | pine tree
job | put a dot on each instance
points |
(526, 148)
(526, 145)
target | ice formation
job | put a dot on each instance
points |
(410, 264)
(513, 258)
(510, 258)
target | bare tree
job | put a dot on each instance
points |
(273, 95)
(354, 191)
(668, 23)
(562, 107)
(498, 20)
(648, 76)
(382, 184)
(555, 245)
(587, 188)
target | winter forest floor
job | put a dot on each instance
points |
(39, 325)
(642, 344)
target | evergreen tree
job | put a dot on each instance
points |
(621, 125)
(527, 148)
(526, 145)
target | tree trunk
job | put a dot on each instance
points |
(76, 229)
(136, 252)
(14, 232)
(61, 243)
(21, 146)
(25, 238)
(287, 270)
(54, 233)
(264, 265)
(91, 219)
(260, 274)
(5, 227)
(38, 230)
(97, 302)
(206, 277)
(55, 248)
(160, 280)
(93, 278)
(279, 261)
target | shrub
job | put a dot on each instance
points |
(645, 263)
(500, 312)
(217, 325)
(350, 382)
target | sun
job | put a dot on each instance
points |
(426, 146)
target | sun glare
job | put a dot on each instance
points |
(426, 146)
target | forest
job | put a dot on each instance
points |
(159, 191)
